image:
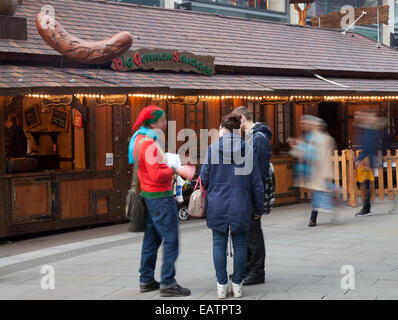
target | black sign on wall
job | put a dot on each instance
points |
(32, 117)
(60, 118)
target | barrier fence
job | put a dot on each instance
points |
(384, 185)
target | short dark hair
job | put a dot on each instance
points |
(231, 122)
(243, 111)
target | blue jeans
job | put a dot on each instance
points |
(161, 224)
(220, 241)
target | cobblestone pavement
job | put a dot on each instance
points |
(302, 262)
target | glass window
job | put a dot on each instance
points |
(276, 5)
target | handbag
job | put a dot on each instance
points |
(197, 201)
(135, 206)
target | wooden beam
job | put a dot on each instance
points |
(92, 133)
(2, 138)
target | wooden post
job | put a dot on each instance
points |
(381, 177)
(344, 174)
(389, 176)
(92, 133)
(2, 138)
(396, 173)
(336, 168)
(352, 188)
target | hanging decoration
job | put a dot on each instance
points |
(183, 100)
(306, 99)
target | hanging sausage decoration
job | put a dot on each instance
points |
(90, 52)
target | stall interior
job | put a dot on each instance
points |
(65, 158)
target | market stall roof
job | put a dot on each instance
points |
(234, 42)
(51, 80)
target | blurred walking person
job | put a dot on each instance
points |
(258, 136)
(232, 196)
(368, 136)
(313, 170)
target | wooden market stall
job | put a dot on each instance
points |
(77, 118)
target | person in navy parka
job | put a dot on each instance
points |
(234, 190)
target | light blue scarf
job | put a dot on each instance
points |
(144, 131)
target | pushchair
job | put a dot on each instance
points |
(187, 190)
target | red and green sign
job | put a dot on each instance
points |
(164, 59)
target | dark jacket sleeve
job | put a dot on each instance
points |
(205, 170)
(262, 154)
(257, 191)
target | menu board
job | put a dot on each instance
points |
(60, 118)
(32, 118)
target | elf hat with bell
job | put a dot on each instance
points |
(148, 115)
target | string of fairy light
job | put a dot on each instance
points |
(241, 97)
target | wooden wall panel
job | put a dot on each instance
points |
(104, 136)
(31, 199)
(177, 114)
(238, 103)
(270, 119)
(76, 196)
(214, 112)
(137, 104)
(298, 115)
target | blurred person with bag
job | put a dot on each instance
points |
(232, 195)
(155, 177)
(368, 134)
(314, 169)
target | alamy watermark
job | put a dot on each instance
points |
(47, 281)
(230, 152)
(347, 282)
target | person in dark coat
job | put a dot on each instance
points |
(15, 139)
(234, 191)
(258, 136)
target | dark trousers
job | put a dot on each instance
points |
(255, 265)
(314, 215)
(367, 194)
(161, 225)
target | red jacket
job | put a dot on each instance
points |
(154, 175)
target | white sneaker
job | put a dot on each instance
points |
(222, 290)
(237, 290)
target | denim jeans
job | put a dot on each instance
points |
(161, 224)
(220, 241)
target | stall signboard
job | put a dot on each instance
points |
(32, 117)
(60, 118)
(164, 59)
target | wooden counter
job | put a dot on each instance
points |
(57, 199)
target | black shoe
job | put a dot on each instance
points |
(175, 291)
(146, 287)
(363, 213)
(253, 279)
